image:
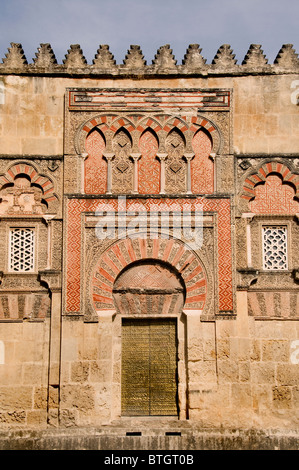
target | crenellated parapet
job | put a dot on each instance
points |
(164, 62)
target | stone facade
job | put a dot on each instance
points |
(136, 146)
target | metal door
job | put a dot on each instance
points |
(149, 367)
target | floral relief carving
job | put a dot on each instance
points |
(122, 174)
(175, 165)
(274, 197)
(149, 167)
(202, 167)
(95, 165)
(24, 191)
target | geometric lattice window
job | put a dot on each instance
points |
(21, 250)
(275, 256)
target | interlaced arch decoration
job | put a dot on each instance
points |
(149, 123)
(161, 124)
(173, 252)
(262, 176)
(23, 177)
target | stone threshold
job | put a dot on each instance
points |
(176, 435)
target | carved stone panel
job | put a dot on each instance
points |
(122, 174)
(149, 166)
(202, 167)
(176, 173)
(274, 197)
(24, 191)
(95, 164)
(148, 288)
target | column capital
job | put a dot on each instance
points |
(135, 156)
(189, 156)
(109, 156)
(162, 156)
(48, 217)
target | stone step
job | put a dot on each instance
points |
(140, 438)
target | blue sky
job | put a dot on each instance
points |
(150, 24)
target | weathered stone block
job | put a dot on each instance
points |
(241, 395)
(275, 350)
(282, 397)
(228, 371)
(202, 371)
(100, 371)
(79, 371)
(80, 397)
(263, 373)
(16, 398)
(287, 374)
(40, 398)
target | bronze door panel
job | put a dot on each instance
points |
(149, 368)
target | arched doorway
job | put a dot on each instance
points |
(150, 296)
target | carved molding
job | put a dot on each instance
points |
(246, 277)
(52, 278)
(296, 274)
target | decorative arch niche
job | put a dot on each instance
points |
(149, 166)
(24, 190)
(149, 287)
(274, 197)
(202, 166)
(173, 254)
(272, 188)
(95, 166)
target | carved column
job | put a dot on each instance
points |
(188, 157)
(48, 218)
(53, 280)
(213, 158)
(162, 157)
(83, 157)
(109, 157)
(135, 157)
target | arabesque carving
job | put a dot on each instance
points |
(122, 173)
(24, 191)
(176, 175)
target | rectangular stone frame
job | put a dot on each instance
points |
(76, 207)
